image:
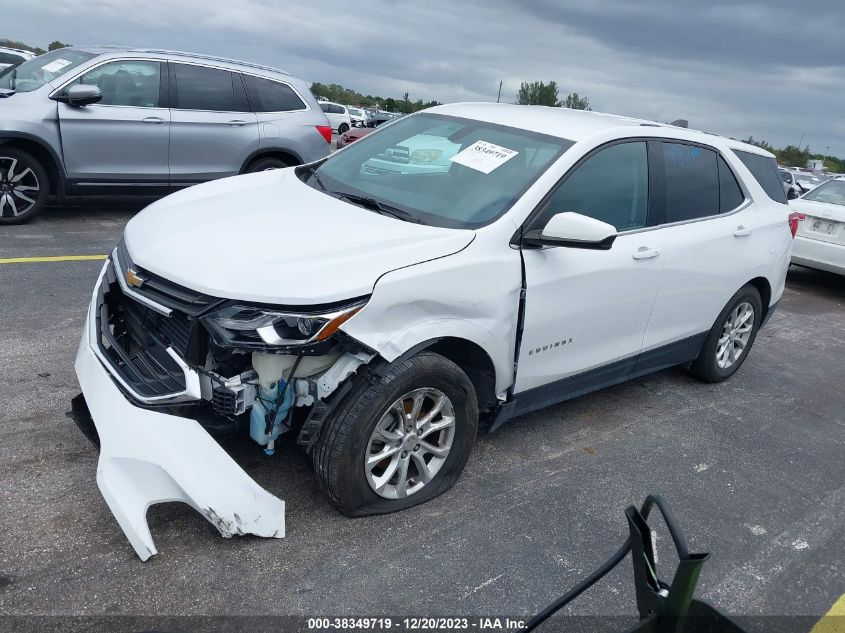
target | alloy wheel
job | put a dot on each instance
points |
(735, 335)
(19, 187)
(410, 443)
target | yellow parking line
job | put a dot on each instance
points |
(834, 620)
(57, 258)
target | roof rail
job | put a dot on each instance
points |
(163, 51)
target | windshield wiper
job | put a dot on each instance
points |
(379, 207)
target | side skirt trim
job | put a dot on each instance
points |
(676, 353)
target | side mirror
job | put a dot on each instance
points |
(80, 95)
(575, 231)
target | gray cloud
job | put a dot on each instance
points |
(771, 68)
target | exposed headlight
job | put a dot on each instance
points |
(257, 327)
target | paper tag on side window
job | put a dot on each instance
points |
(483, 156)
(55, 65)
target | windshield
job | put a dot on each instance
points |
(439, 170)
(33, 74)
(832, 192)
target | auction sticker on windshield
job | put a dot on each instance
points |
(483, 156)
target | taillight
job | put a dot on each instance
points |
(325, 131)
(794, 219)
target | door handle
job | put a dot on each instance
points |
(644, 252)
(237, 123)
(742, 231)
(153, 120)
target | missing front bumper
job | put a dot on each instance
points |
(148, 457)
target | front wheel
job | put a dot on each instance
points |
(23, 186)
(730, 340)
(400, 439)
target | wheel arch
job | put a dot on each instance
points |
(473, 360)
(764, 287)
(41, 152)
(288, 156)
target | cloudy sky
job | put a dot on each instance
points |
(774, 69)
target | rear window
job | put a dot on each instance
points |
(765, 170)
(271, 96)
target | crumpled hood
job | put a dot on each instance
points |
(270, 238)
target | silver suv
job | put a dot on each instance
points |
(104, 120)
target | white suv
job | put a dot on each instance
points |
(337, 115)
(374, 314)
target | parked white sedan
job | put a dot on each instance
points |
(820, 241)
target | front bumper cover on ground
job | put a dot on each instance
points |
(148, 457)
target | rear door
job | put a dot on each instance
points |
(124, 139)
(710, 242)
(213, 132)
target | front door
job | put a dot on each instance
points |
(123, 139)
(586, 311)
(213, 133)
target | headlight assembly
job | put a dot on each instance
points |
(245, 326)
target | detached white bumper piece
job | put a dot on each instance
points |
(147, 457)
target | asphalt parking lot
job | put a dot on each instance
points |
(752, 467)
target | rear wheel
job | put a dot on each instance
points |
(342, 128)
(400, 439)
(23, 186)
(266, 163)
(730, 340)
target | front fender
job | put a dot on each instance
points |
(464, 296)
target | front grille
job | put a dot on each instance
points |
(166, 292)
(133, 339)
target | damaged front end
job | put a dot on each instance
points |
(164, 368)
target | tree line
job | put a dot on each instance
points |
(33, 49)
(546, 94)
(347, 96)
(794, 156)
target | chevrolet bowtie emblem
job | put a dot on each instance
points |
(133, 279)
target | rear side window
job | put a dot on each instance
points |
(765, 170)
(692, 182)
(730, 195)
(201, 88)
(611, 186)
(271, 96)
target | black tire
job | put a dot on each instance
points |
(26, 172)
(706, 366)
(338, 457)
(265, 163)
(342, 128)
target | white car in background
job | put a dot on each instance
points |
(549, 253)
(337, 115)
(13, 57)
(820, 241)
(358, 116)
